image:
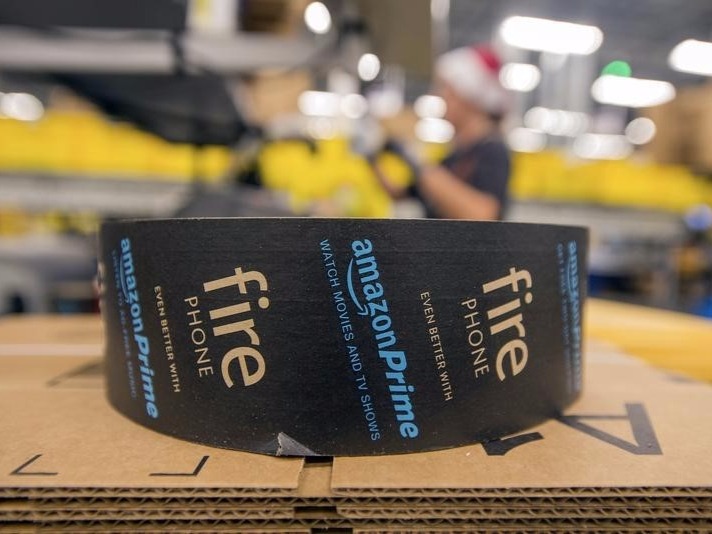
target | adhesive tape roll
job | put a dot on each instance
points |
(341, 336)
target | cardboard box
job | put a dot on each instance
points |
(51, 335)
(684, 129)
(696, 114)
(632, 455)
(274, 94)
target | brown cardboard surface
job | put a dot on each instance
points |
(486, 496)
(86, 443)
(315, 481)
(90, 492)
(49, 421)
(121, 503)
(276, 94)
(668, 144)
(216, 528)
(267, 512)
(51, 335)
(357, 509)
(470, 529)
(356, 516)
(675, 341)
(372, 513)
(684, 127)
(43, 372)
(514, 529)
(156, 528)
(600, 502)
(694, 109)
(519, 530)
(475, 517)
(428, 506)
(58, 420)
(55, 419)
(566, 457)
(529, 524)
(523, 512)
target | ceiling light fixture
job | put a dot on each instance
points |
(602, 146)
(640, 131)
(520, 77)
(317, 18)
(631, 92)
(368, 67)
(556, 121)
(429, 106)
(434, 130)
(319, 103)
(526, 140)
(692, 56)
(554, 36)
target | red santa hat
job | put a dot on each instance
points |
(473, 72)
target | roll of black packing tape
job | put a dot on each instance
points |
(341, 336)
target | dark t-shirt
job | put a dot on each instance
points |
(485, 165)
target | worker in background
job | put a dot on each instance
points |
(472, 181)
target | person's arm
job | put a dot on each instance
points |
(454, 199)
(395, 192)
(481, 195)
(451, 196)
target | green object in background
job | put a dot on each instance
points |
(618, 68)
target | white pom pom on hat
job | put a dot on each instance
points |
(473, 72)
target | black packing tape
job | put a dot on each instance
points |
(341, 336)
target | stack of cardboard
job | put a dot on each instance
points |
(632, 455)
(684, 129)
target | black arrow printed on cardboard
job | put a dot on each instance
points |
(22, 469)
(645, 440)
(194, 473)
(341, 336)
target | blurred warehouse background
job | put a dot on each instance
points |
(268, 107)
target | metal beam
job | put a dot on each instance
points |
(22, 50)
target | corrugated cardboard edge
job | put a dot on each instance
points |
(576, 524)
(357, 514)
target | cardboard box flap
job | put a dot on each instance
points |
(523, 512)
(635, 427)
(356, 515)
(70, 438)
(496, 525)
(48, 372)
(188, 514)
(52, 335)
